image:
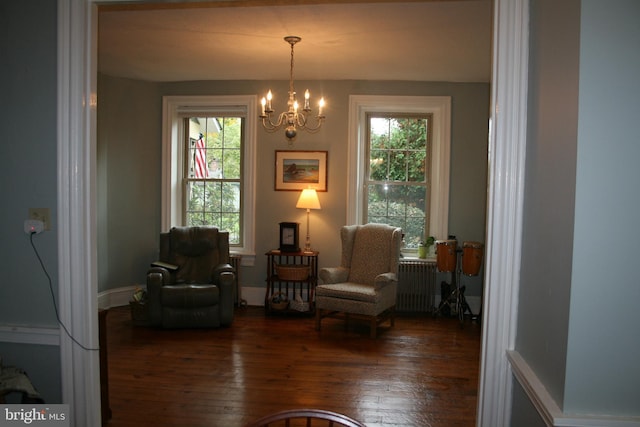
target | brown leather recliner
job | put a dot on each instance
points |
(192, 285)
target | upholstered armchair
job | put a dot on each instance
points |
(192, 284)
(365, 284)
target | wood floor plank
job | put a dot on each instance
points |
(422, 372)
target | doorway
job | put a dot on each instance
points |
(77, 251)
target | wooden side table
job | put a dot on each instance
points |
(290, 287)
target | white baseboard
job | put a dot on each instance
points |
(117, 297)
(547, 407)
(252, 295)
(21, 334)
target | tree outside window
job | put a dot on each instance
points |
(398, 172)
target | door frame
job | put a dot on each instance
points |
(77, 212)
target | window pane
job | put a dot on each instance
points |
(397, 166)
(378, 165)
(379, 132)
(413, 131)
(230, 197)
(416, 166)
(231, 163)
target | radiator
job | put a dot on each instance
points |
(416, 286)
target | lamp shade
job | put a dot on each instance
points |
(308, 199)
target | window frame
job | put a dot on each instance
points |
(174, 110)
(440, 109)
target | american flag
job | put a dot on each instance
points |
(201, 158)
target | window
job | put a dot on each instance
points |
(396, 175)
(208, 164)
(212, 178)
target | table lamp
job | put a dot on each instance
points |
(308, 200)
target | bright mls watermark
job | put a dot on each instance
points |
(34, 415)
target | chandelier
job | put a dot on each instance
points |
(295, 117)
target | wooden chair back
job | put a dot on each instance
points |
(306, 418)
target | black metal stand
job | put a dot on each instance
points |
(454, 294)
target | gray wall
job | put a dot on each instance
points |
(604, 345)
(549, 191)
(577, 325)
(129, 136)
(28, 180)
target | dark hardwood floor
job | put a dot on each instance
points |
(423, 372)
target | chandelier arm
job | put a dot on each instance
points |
(270, 126)
(303, 122)
(316, 128)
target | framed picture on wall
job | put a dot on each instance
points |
(297, 170)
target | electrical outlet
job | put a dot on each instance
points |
(43, 215)
(33, 226)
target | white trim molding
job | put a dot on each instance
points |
(507, 149)
(117, 297)
(549, 410)
(22, 334)
(77, 248)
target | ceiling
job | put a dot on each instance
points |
(445, 40)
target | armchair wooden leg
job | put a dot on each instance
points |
(318, 318)
(374, 327)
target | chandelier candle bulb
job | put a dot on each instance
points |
(306, 100)
(269, 96)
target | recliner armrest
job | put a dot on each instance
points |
(219, 269)
(226, 282)
(385, 279)
(334, 274)
(167, 277)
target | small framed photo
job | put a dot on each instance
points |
(289, 237)
(297, 170)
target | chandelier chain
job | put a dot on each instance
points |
(291, 71)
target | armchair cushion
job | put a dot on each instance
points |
(370, 254)
(334, 274)
(385, 279)
(190, 296)
(196, 251)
